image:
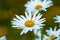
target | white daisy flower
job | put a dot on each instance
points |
(37, 5)
(28, 23)
(51, 32)
(46, 37)
(57, 18)
(3, 38)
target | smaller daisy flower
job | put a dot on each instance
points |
(51, 32)
(3, 38)
(29, 23)
(46, 37)
(37, 5)
(57, 18)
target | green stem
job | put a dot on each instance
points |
(42, 34)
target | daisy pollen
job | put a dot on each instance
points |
(29, 23)
(38, 7)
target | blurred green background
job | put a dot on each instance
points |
(8, 9)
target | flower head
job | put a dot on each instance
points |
(28, 23)
(51, 32)
(57, 18)
(37, 5)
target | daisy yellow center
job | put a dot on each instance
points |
(38, 6)
(52, 36)
(29, 23)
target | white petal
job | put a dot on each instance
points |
(34, 15)
(26, 15)
(22, 16)
(18, 17)
(42, 20)
(38, 16)
(24, 31)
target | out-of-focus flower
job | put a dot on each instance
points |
(57, 18)
(3, 38)
(37, 5)
(28, 23)
(52, 33)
